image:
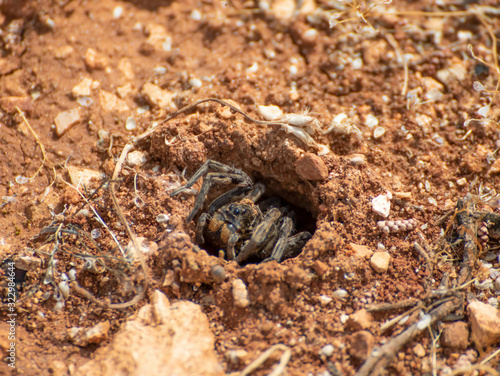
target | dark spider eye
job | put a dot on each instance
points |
(239, 211)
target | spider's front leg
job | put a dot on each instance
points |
(225, 174)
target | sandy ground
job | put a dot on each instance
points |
(399, 101)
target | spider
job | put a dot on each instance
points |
(234, 221)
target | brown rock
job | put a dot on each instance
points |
(86, 336)
(473, 163)
(484, 321)
(112, 103)
(361, 251)
(419, 350)
(58, 368)
(63, 52)
(495, 167)
(83, 176)
(360, 320)
(361, 345)
(156, 96)
(162, 339)
(95, 60)
(311, 167)
(455, 335)
(9, 104)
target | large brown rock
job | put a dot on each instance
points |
(484, 321)
(162, 339)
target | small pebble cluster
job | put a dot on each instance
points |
(397, 226)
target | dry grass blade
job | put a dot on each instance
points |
(279, 369)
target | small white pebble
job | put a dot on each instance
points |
(343, 318)
(464, 36)
(310, 34)
(162, 218)
(371, 121)
(293, 70)
(382, 204)
(195, 82)
(136, 158)
(235, 356)
(340, 294)
(130, 124)
(159, 70)
(378, 132)
(461, 182)
(270, 113)
(432, 201)
(327, 351)
(253, 69)
(195, 15)
(117, 12)
(493, 302)
(357, 159)
(85, 101)
(167, 45)
(95, 233)
(324, 300)
(240, 294)
(357, 63)
(142, 110)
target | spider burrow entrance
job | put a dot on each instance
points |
(240, 223)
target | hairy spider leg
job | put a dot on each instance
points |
(225, 174)
(285, 230)
(233, 195)
(295, 244)
(260, 236)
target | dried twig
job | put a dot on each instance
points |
(382, 356)
(278, 370)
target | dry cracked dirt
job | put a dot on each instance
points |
(375, 123)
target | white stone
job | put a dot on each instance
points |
(83, 89)
(327, 351)
(158, 97)
(378, 132)
(484, 321)
(111, 103)
(136, 158)
(86, 336)
(195, 82)
(340, 294)
(235, 356)
(240, 294)
(371, 121)
(324, 300)
(79, 176)
(382, 204)
(65, 120)
(270, 113)
(117, 12)
(379, 262)
(195, 15)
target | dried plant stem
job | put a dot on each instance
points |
(285, 358)
(42, 148)
(392, 41)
